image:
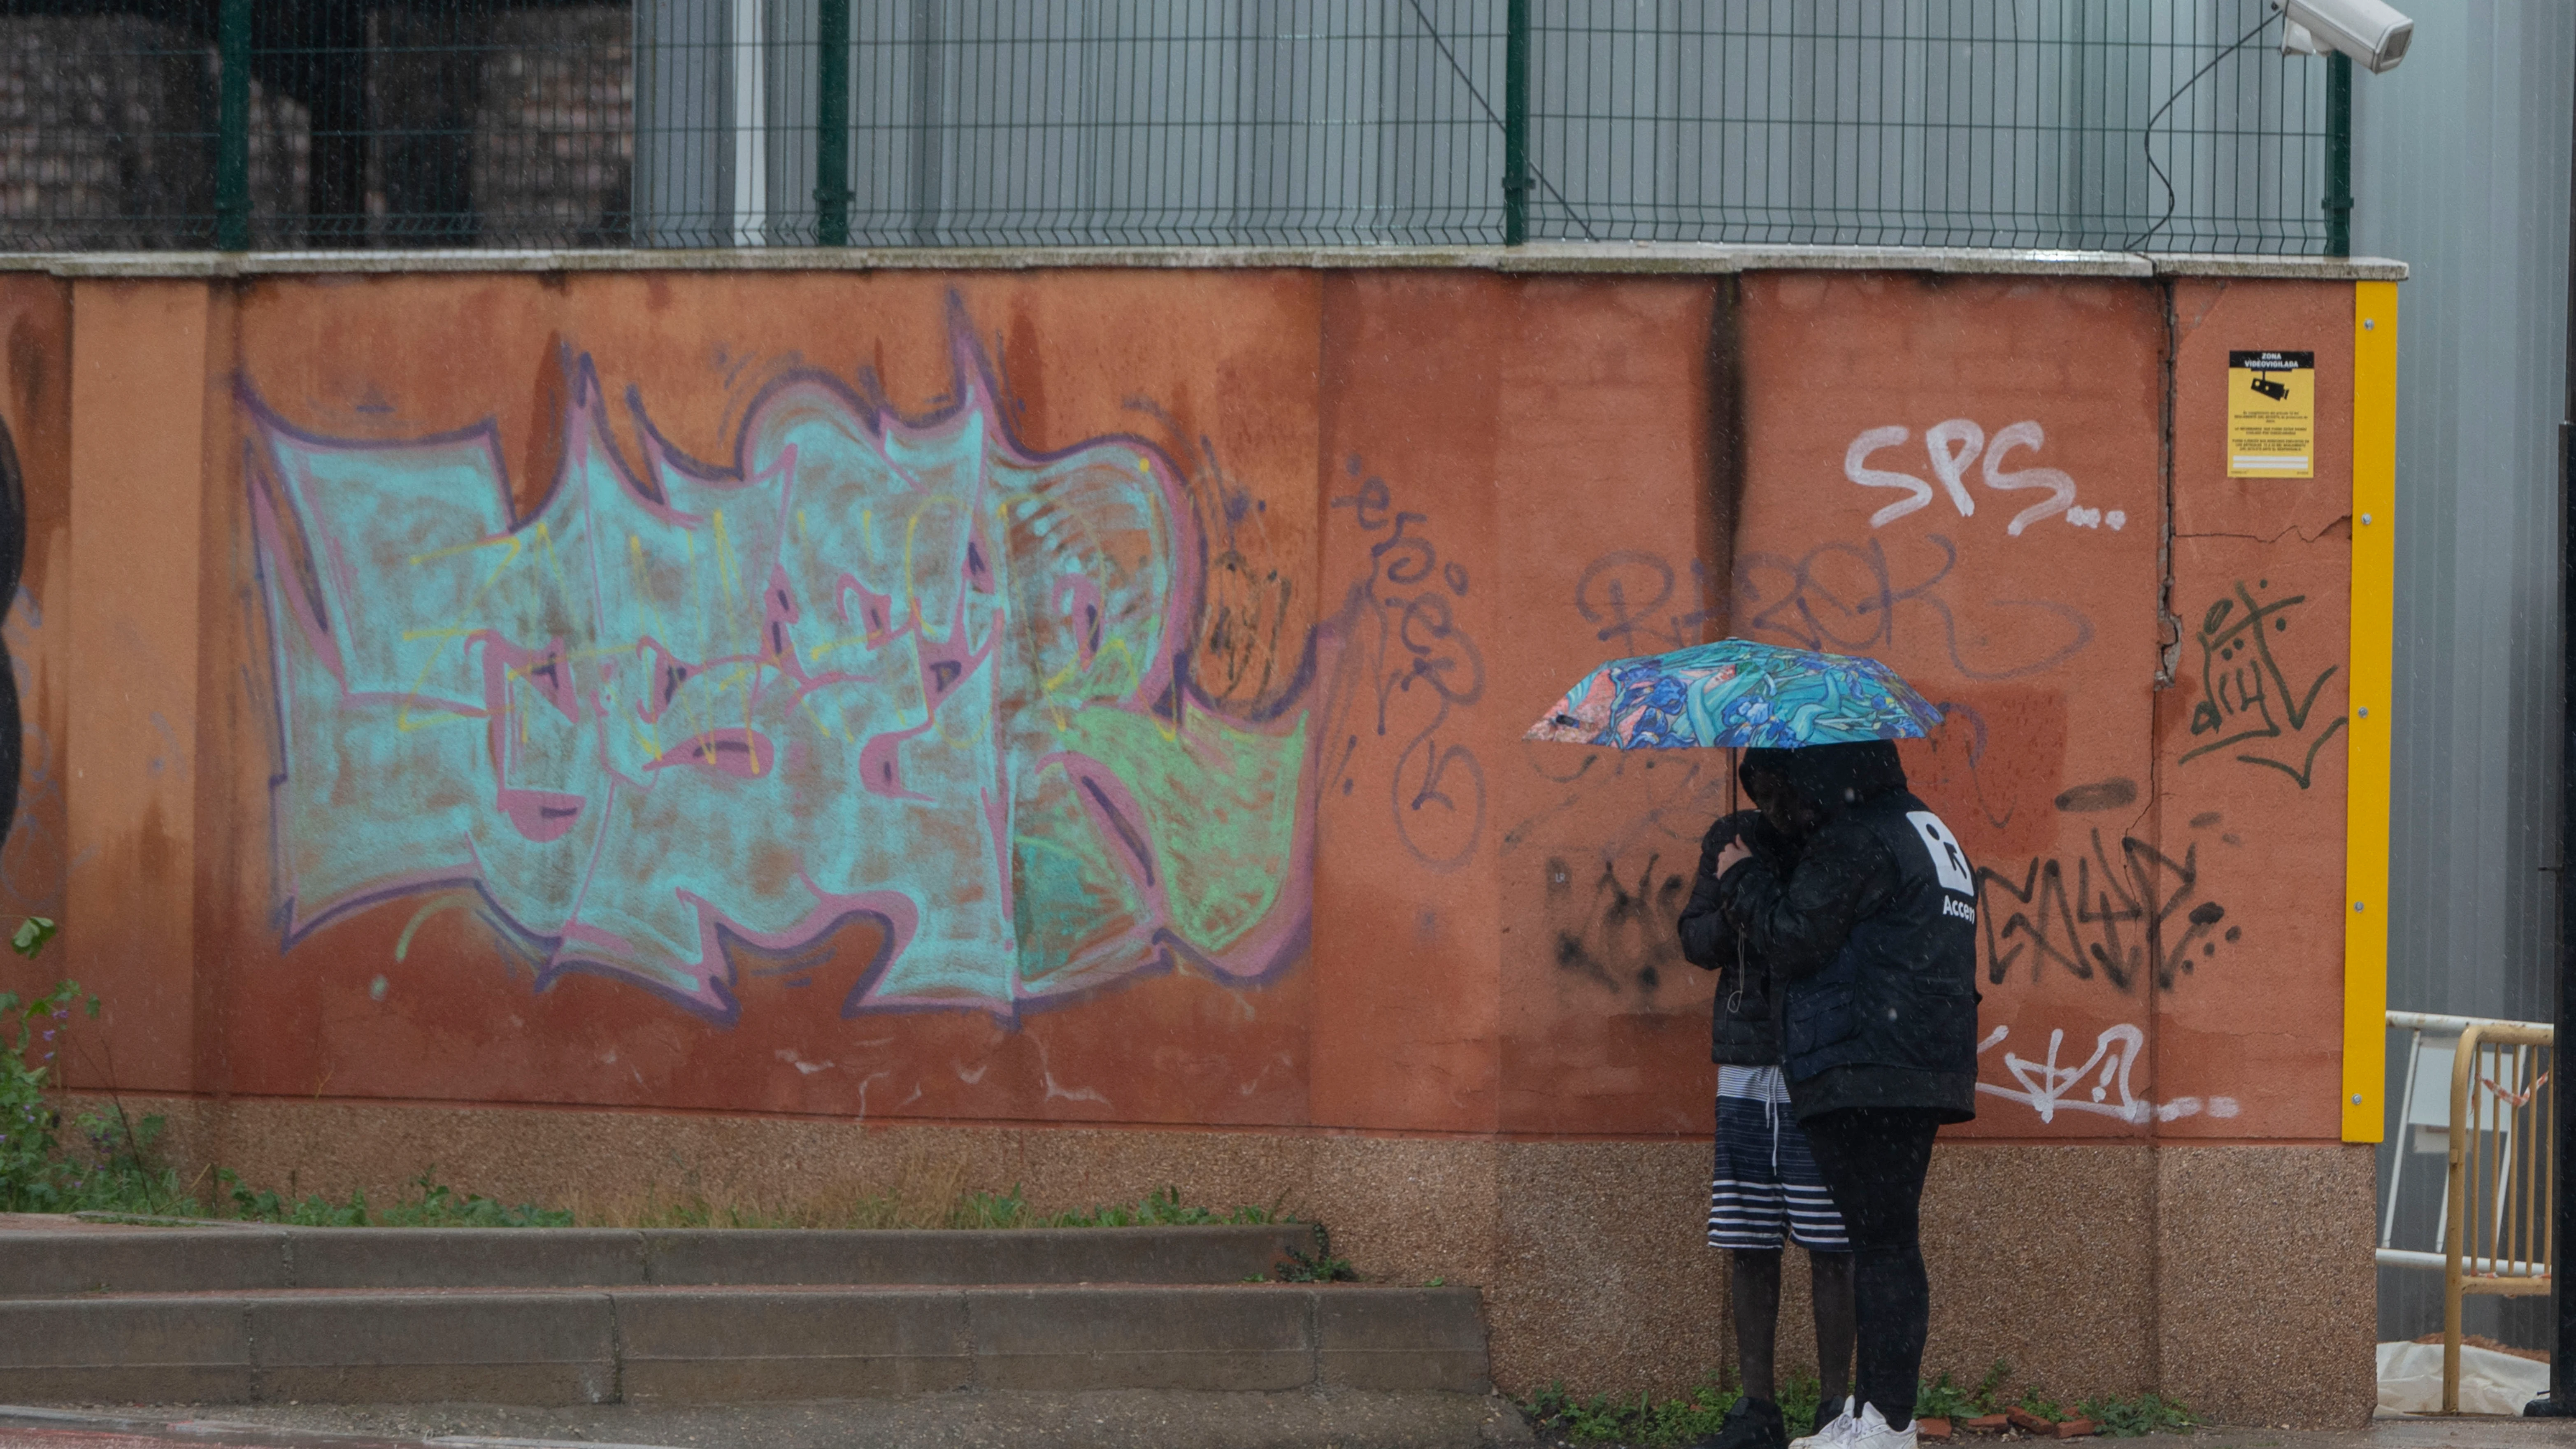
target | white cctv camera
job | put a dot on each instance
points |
(2366, 30)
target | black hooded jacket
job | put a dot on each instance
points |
(1744, 1024)
(1870, 939)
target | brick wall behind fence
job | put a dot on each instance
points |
(516, 132)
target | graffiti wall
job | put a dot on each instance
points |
(695, 719)
(2125, 755)
(1963, 477)
(1098, 696)
(35, 416)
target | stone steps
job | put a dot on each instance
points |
(572, 1316)
(147, 1260)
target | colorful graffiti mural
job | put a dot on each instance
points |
(878, 671)
(13, 558)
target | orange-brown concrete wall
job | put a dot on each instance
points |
(35, 441)
(1377, 521)
(995, 704)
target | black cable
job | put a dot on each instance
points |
(2147, 137)
(1464, 79)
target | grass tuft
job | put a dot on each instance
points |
(1607, 1422)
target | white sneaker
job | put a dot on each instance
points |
(1833, 1435)
(1873, 1432)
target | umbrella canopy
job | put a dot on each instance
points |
(1736, 693)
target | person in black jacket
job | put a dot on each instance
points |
(1765, 1186)
(1871, 936)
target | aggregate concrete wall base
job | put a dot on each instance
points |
(2235, 1277)
(1606, 1279)
(2046, 1259)
(2041, 1256)
(2256, 1331)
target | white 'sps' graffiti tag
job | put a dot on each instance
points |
(1951, 447)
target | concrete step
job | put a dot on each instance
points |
(41, 1262)
(699, 1344)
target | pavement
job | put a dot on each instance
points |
(1155, 1419)
(1129, 1419)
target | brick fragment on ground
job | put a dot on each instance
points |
(2075, 1429)
(1988, 1424)
(1932, 1428)
(2030, 1423)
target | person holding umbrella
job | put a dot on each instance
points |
(1870, 933)
(1764, 1188)
(1873, 936)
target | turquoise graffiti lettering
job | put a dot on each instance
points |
(876, 670)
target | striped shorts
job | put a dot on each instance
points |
(1766, 1186)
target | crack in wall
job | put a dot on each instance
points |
(2340, 521)
(2168, 623)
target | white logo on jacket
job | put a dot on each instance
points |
(1948, 860)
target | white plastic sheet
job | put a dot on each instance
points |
(2410, 1379)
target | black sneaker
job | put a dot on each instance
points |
(1751, 1424)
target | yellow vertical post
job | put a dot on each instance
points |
(2374, 621)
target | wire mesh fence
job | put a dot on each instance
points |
(2170, 124)
(1929, 124)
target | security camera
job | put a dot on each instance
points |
(2366, 30)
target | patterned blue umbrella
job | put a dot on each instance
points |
(1736, 693)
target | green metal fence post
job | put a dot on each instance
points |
(832, 125)
(2338, 155)
(232, 130)
(1516, 108)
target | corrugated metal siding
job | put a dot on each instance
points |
(2461, 166)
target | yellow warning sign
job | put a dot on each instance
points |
(2271, 414)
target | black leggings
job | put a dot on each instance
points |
(1874, 1159)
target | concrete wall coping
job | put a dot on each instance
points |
(1610, 258)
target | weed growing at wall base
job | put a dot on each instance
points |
(2148, 1413)
(1640, 1423)
(121, 1171)
(431, 1204)
(128, 1183)
(123, 1174)
(136, 1187)
(1944, 1399)
(939, 1203)
(33, 1176)
(1605, 1422)
(1319, 1266)
(2112, 1414)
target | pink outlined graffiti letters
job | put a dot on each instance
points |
(897, 670)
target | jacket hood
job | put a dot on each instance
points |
(1831, 778)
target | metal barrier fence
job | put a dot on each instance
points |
(2161, 124)
(2500, 1185)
